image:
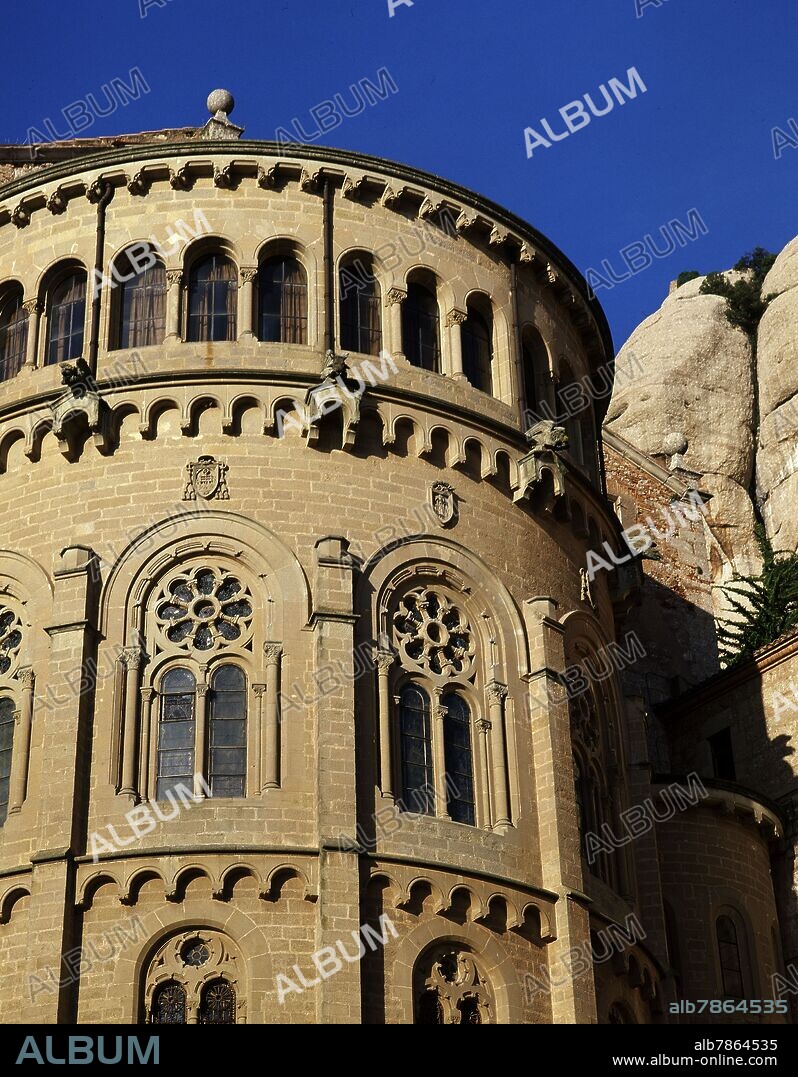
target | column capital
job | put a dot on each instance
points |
(26, 678)
(272, 652)
(132, 657)
(33, 306)
(497, 692)
(248, 274)
(456, 317)
(147, 694)
(259, 689)
(383, 659)
(395, 295)
(174, 276)
(483, 725)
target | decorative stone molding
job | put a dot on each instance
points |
(57, 202)
(20, 216)
(10, 639)
(268, 177)
(429, 209)
(466, 220)
(498, 236)
(310, 181)
(454, 991)
(455, 317)
(392, 196)
(443, 501)
(353, 188)
(433, 634)
(180, 179)
(395, 295)
(80, 398)
(248, 274)
(174, 276)
(139, 183)
(206, 478)
(546, 441)
(223, 176)
(336, 390)
(33, 306)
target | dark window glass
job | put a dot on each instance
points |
(142, 305)
(421, 328)
(283, 297)
(176, 732)
(459, 764)
(720, 745)
(416, 751)
(469, 1011)
(13, 335)
(218, 1004)
(730, 964)
(478, 351)
(7, 710)
(430, 1010)
(228, 733)
(168, 1004)
(212, 299)
(67, 316)
(361, 316)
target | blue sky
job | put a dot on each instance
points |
(471, 76)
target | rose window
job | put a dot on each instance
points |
(10, 638)
(195, 953)
(434, 634)
(205, 610)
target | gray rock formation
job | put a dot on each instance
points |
(691, 407)
(777, 377)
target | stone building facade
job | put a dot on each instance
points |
(293, 604)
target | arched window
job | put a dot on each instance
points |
(212, 299)
(477, 336)
(217, 1004)
(361, 313)
(141, 304)
(66, 314)
(228, 732)
(731, 966)
(535, 366)
(450, 988)
(421, 341)
(575, 413)
(168, 1004)
(458, 758)
(176, 732)
(282, 301)
(415, 736)
(13, 334)
(7, 711)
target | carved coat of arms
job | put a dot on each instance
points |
(442, 499)
(206, 478)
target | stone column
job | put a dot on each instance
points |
(174, 285)
(573, 1000)
(497, 693)
(64, 744)
(131, 659)
(483, 768)
(439, 712)
(145, 788)
(246, 295)
(454, 323)
(394, 300)
(34, 309)
(270, 778)
(333, 624)
(20, 753)
(384, 660)
(202, 734)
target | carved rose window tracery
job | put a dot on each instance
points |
(454, 992)
(10, 638)
(205, 609)
(434, 634)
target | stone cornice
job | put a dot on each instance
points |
(517, 235)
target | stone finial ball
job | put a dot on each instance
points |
(220, 101)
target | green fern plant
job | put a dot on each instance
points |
(765, 606)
